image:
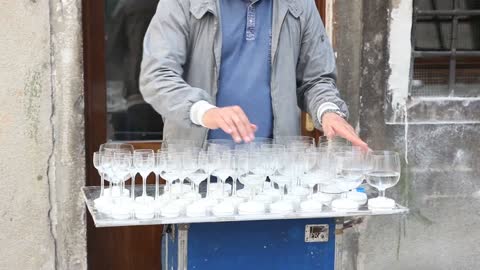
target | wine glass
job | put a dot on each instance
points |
(106, 160)
(121, 168)
(111, 148)
(383, 172)
(350, 170)
(170, 168)
(144, 161)
(189, 166)
(251, 176)
(115, 147)
(122, 161)
(200, 174)
(225, 170)
(98, 165)
(272, 153)
(213, 162)
(103, 162)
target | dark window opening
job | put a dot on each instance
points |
(446, 48)
(129, 117)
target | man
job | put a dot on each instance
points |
(259, 61)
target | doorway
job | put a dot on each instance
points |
(112, 33)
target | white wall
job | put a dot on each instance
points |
(41, 137)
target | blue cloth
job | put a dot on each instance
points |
(245, 68)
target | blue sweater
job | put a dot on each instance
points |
(245, 68)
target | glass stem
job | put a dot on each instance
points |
(102, 184)
(382, 193)
(157, 179)
(110, 188)
(169, 185)
(181, 180)
(144, 186)
(208, 184)
(223, 187)
(234, 185)
(197, 188)
(132, 187)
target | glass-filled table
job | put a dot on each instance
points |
(296, 240)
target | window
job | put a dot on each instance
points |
(129, 117)
(446, 48)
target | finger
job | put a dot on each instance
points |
(254, 127)
(235, 134)
(224, 125)
(329, 132)
(344, 132)
(242, 123)
(248, 126)
(246, 121)
(240, 126)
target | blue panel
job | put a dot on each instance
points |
(278, 245)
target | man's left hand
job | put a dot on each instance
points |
(334, 125)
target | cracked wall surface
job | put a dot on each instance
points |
(41, 136)
(440, 184)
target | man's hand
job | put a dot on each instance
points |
(334, 125)
(231, 120)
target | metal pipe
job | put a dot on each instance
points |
(453, 55)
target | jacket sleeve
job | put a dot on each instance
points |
(316, 71)
(164, 55)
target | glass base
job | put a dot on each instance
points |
(251, 208)
(281, 207)
(359, 197)
(197, 210)
(223, 209)
(144, 211)
(311, 206)
(104, 204)
(122, 211)
(274, 193)
(144, 199)
(381, 203)
(344, 205)
(322, 197)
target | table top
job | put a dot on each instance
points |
(103, 220)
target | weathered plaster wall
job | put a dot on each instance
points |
(41, 136)
(348, 38)
(440, 184)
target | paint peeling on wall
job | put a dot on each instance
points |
(400, 55)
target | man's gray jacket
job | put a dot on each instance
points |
(182, 55)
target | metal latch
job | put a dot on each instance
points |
(316, 233)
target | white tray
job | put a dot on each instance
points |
(103, 220)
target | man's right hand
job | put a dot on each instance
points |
(232, 120)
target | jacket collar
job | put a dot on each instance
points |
(199, 8)
(293, 6)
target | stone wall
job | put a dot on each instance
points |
(41, 134)
(440, 183)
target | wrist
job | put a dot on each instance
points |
(330, 108)
(198, 110)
